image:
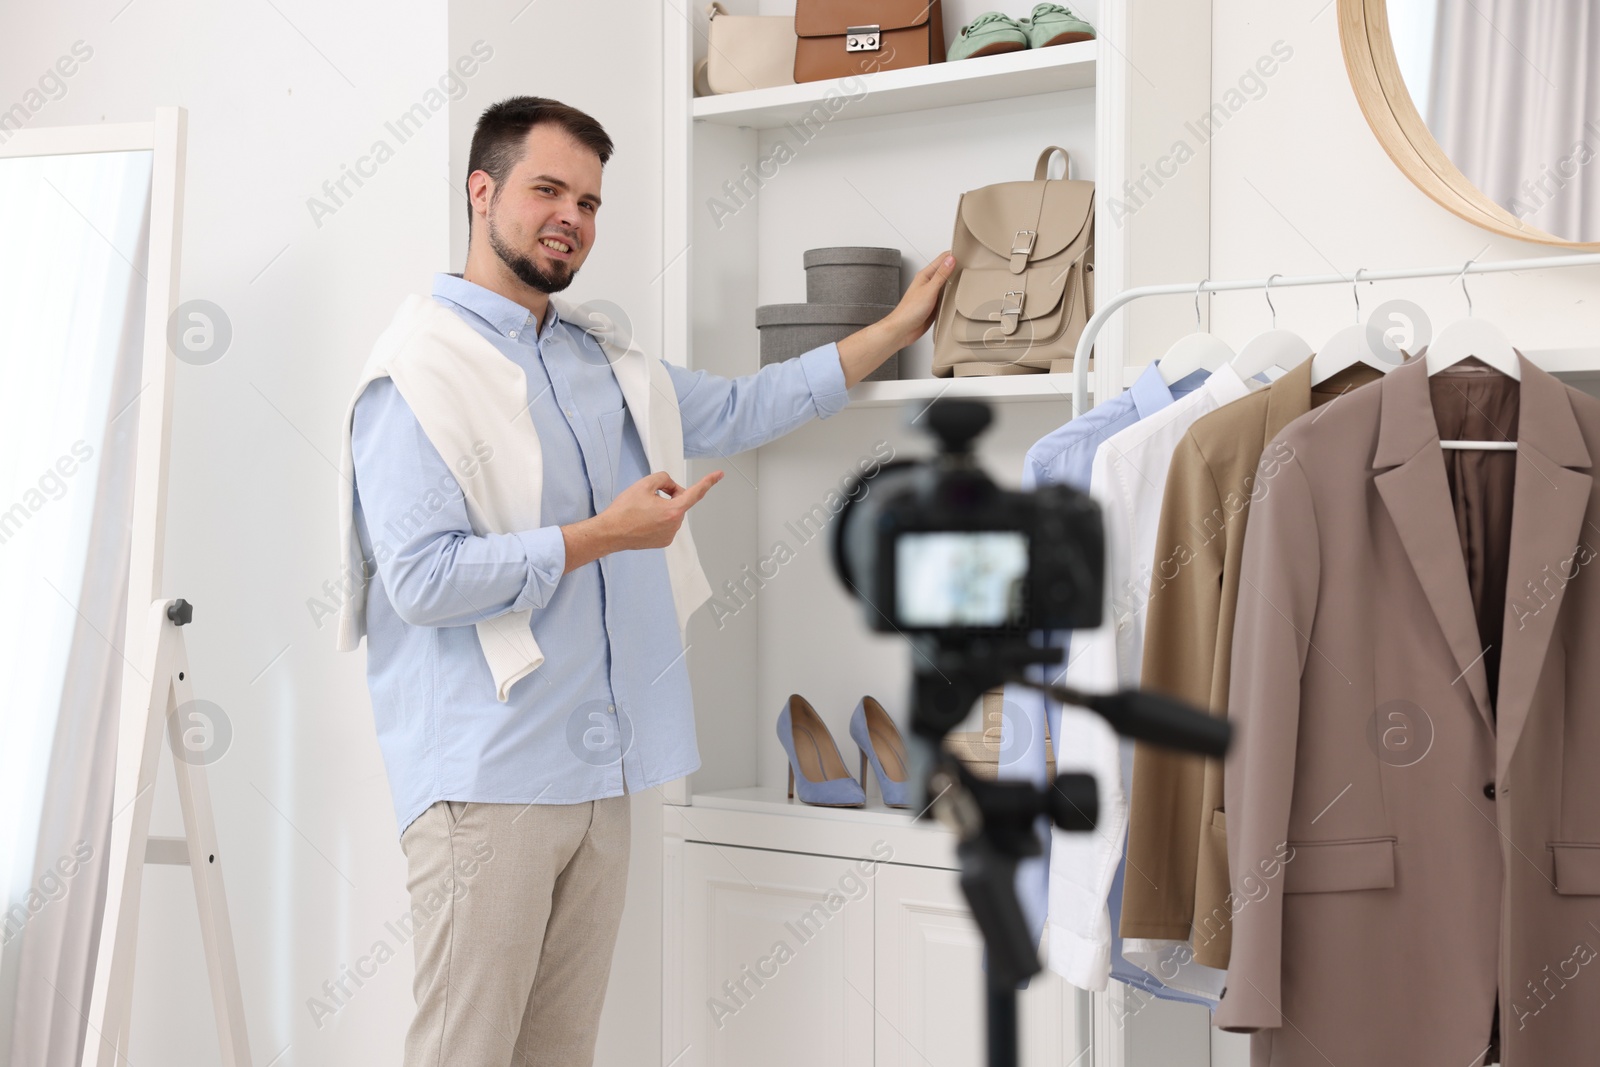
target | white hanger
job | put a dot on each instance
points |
(1466, 338)
(1196, 351)
(1347, 347)
(1275, 348)
(1472, 336)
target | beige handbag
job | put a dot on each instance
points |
(748, 51)
(1023, 286)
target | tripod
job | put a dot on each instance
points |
(994, 820)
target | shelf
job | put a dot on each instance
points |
(894, 92)
(1056, 387)
(763, 817)
(1006, 387)
(1575, 364)
(775, 801)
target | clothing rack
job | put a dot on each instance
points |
(1080, 363)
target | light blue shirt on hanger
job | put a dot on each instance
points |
(610, 711)
(1064, 457)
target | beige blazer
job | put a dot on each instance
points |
(1176, 887)
(1388, 894)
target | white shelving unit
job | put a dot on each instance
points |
(880, 160)
(896, 92)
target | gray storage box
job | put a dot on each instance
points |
(789, 330)
(852, 275)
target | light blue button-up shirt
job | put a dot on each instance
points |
(609, 712)
(1064, 457)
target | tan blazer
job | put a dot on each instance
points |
(1176, 887)
(1388, 894)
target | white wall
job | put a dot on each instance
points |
(1301, 186)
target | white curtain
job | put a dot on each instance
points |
(72, 292)
(1515, 104)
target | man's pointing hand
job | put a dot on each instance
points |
(647, 514)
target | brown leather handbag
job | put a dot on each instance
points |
(841, 38)
(1023, 287)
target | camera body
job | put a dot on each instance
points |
(939, 548)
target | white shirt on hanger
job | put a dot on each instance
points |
(1128, 479)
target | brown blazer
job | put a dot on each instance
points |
(1387, 893)
(1176, 888)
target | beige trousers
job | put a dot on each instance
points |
(516, 909)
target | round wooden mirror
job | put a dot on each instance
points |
(1491, 108)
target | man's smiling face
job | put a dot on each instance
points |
(541, 219)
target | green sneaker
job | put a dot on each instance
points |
(989, 34)
(1054, 24)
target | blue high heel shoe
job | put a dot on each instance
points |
(880, 742)
(814, 760)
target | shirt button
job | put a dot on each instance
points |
(568, 414)
(611, 707)
(1488, 790)
(513, 333)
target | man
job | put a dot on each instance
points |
(512, 801)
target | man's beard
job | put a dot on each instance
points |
(526, 269)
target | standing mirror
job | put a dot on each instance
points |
(1492, 108)
(93, 663)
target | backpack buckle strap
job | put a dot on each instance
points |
(1021, 249)
(1010, 311)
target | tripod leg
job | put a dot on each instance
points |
(1002, 1025)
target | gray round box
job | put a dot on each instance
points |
(789, 330)
(852, 275)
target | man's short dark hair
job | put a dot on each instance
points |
(500, 139)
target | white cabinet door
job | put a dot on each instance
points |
(930, 983)
(777, 952)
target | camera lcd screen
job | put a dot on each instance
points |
(960, 578)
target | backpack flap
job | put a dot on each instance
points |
(1021, 224)
(832, 18)
(997, 309)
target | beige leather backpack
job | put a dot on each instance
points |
(1023, 286)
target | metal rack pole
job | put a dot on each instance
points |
(1080, 363)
